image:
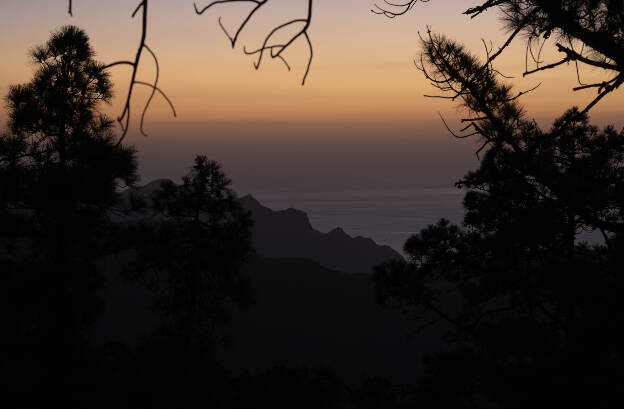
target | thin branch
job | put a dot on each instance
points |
(573, 55)
(453, 133)
(576, 64)
(599, 85)
(124, 118)
(545, 67)
(214, 3)
(395, 9)
(233, 39)
(156, 89)
(275, 50)
(521, 93)
(510, 38)
(117, 63)
(475, 11)
(607, 90)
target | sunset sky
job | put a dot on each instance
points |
(361, 119)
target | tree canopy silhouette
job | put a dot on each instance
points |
(532, 307)
(195, 253)
(60, 170)
(123, 119)
(585, 32)
(62, 215)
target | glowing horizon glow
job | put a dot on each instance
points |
(362, 79)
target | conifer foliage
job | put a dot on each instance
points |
(531, 304)
(60, 171)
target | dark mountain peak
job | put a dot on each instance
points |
(296, 217)
(337, 232)
(289, 234)
(147, 189)
(248, 201)
(368, 240)
(265, 219)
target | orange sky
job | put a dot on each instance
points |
(362, 80)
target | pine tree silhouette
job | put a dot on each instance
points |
(60, 171)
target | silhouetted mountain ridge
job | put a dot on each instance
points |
(289, 234)
(305, 313)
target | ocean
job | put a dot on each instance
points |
(388, 216)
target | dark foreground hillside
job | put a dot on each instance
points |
(305, 313)
(304, 316)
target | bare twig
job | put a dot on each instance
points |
(392, 10)
(475, 11)
(458, 136)
(573, 55)
(124, 118)
(605, 89)
(233, 38)
(521, 93)
(545, 67)
(274, 50)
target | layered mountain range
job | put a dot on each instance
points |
(314, 304)
(289, 234)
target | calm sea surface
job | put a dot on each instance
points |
(387, 216)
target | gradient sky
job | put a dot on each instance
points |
(360, 121)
